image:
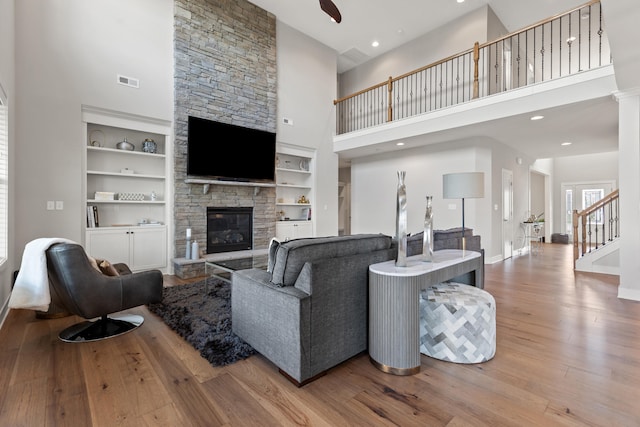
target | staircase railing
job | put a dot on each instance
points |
(565, 44)
(597, 224)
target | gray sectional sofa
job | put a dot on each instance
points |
(308, 312)
(445, 239)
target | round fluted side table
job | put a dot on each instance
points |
(394, 304)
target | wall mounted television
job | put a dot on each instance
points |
(230, 152)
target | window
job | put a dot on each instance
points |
(589, 197)
(568, 218)
(4, 176)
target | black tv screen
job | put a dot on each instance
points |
(230, 152)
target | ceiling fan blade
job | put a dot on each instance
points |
(331, 9)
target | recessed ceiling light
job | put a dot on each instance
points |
(537, 117)
(399, 144)
(566, 143)
(585, 15)
(571, 39)
(460, 1)
(375, 43)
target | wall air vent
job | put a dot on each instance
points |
(128, 81)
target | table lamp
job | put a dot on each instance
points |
(465, 185)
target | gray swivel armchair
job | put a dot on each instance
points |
(86, 292)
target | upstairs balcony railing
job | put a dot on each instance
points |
(566, 44)
(598, 225)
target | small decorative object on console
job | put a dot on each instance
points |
(131, 197)
(401, 221)
(427, 237)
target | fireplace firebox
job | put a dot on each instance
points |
(229, 229)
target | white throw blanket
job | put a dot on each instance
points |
(31, 290)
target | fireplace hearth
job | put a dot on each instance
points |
(229, 229)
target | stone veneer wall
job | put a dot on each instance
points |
(225, 70)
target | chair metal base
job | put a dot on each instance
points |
(102, 328)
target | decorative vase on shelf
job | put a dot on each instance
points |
(149, 146)
(195, 250)
(401, 221)
(427, 237)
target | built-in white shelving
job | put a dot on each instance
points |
(132, 223)
(294, 192)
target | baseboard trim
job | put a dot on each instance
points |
(630, 294)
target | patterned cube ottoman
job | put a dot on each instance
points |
(457, 323)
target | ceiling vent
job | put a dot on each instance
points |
(355, 55)
(128, 81)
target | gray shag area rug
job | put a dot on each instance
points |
(204, 321)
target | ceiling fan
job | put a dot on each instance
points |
(331, 9)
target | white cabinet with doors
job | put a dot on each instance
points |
(141, 248)
(128, 189)
(294, 192)
(288, 230)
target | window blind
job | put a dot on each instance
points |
(4, 178)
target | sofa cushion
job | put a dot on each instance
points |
(273, 248)
(293, 254)
(444, 239)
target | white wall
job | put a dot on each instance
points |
(504, 157)
(629, 160)
(537, 193)
(374, 181)
(306, 89)
(374, 187)
(68, 53)
(7, 82)
(450, 39)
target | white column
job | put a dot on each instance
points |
(629, 184)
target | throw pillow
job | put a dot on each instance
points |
(273, 249)
(107, 269)
(93, 262)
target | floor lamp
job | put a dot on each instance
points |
(467, 185)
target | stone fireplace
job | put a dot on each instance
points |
(229, 229)
(214, 80)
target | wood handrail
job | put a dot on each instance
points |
(475, 49)
(539, 23)
(578, 218)
(360, 92)
(600, 203)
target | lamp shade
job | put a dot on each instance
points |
(465, 185)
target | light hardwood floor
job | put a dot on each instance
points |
(568, 353)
